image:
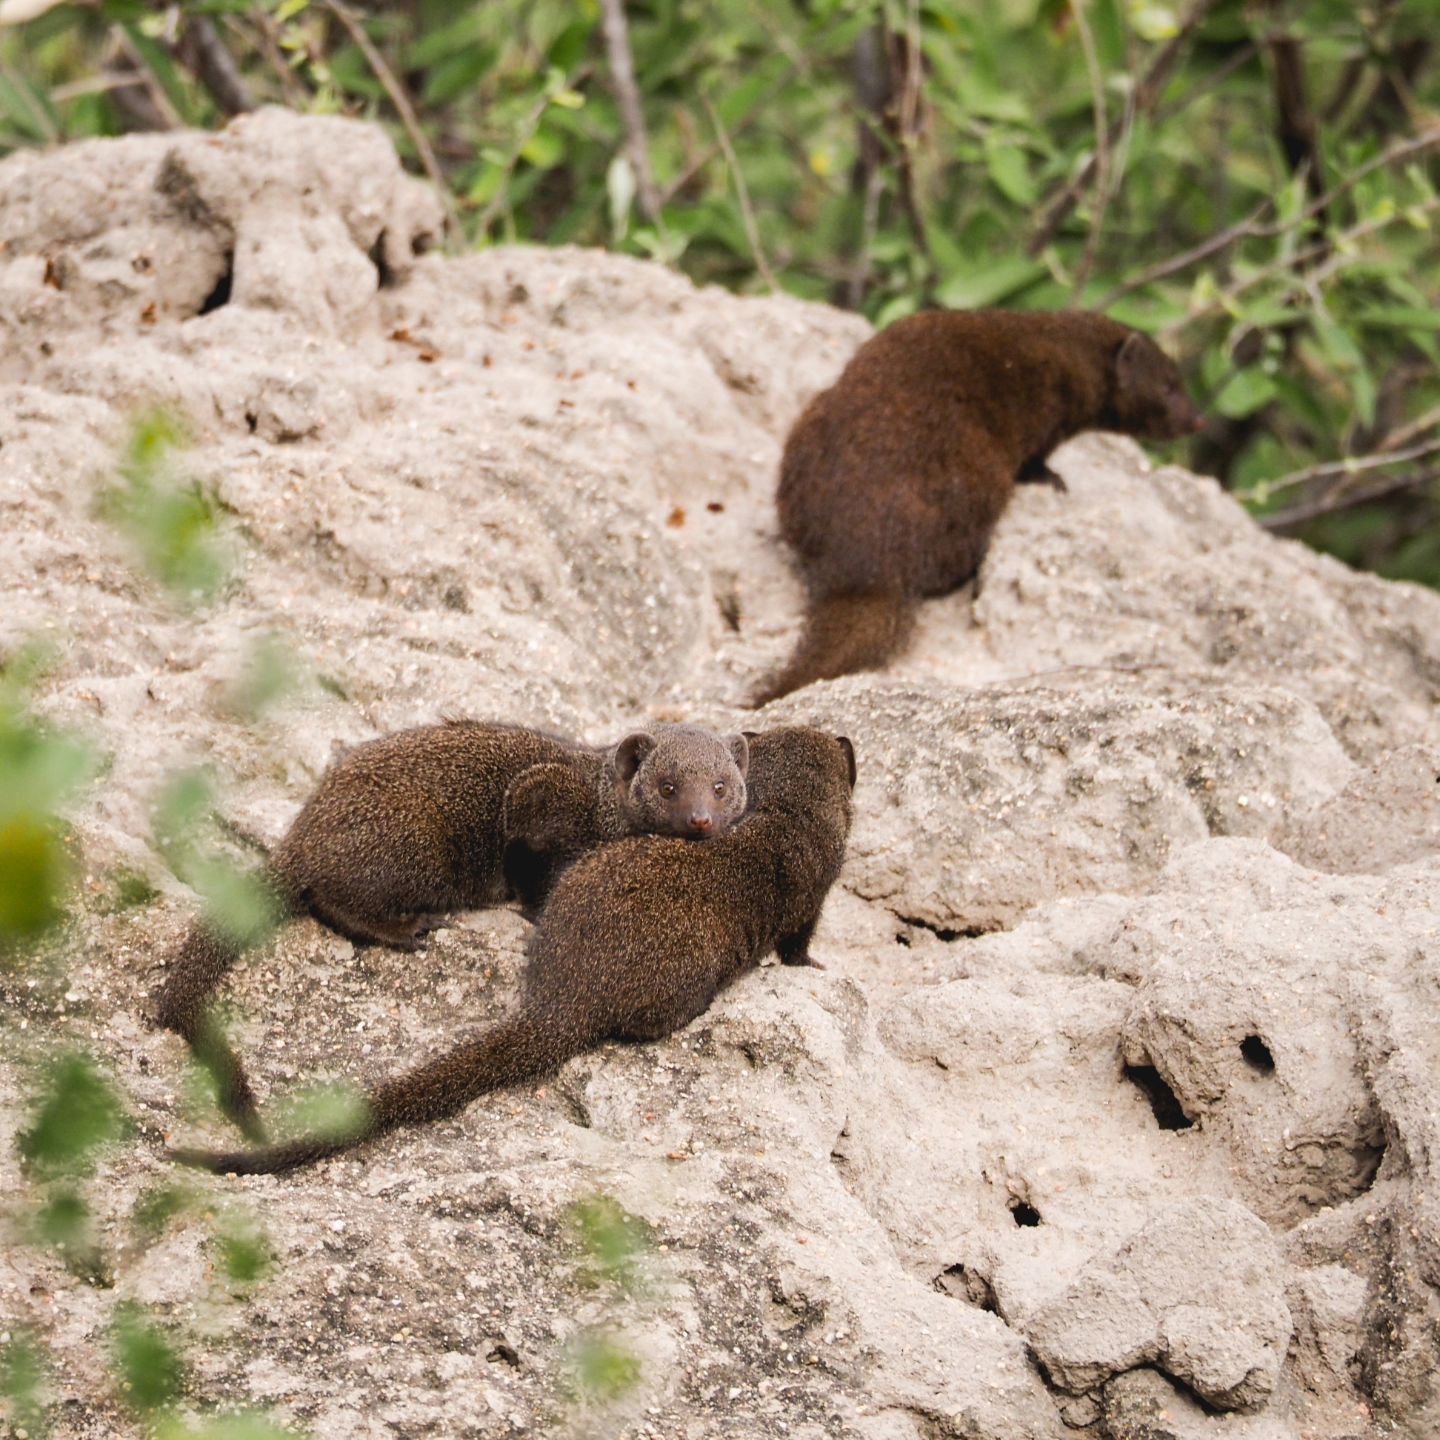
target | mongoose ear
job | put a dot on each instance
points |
(740, 749)
(844, 743)
(630, 754)
(1134, 360)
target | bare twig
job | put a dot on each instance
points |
(1404, 434)
(1294, 517)
(747, 215)
(1337, 248)
(520, 139)
(36, 112)
(622, 73)
(401, 101)
(1343, 469)
(1251, 229)
(698, 162)
(212, 64)
(1102, 147)
(908, 127)
(1245, 229)
(157, 113)
(1147, 96)
(267, 41)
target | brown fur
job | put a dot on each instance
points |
(893, 478)
(403, 829)
(636, 941)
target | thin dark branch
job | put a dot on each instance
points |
(1343, 469)
(622, 73)
(1147, 96)
(204, 52)
(908, 126)
(1296, 517)
(1102, 147)
(1337, 248)
(747, 214)
(401, 101)
(1250, 229)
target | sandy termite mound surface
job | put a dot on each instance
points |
(1114, 1113)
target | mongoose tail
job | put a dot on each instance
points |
(184, 1004)
(518, 1048)
(842, 634)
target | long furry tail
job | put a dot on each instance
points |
(842, 634)
(184, 1003)
(519, 1048)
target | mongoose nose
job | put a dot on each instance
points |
(700, 822)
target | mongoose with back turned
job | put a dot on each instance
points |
(403, 829)
(636, 940)
(892, 479)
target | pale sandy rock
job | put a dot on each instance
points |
(1198, 1292)
(1143, 1404)
(1145, 835)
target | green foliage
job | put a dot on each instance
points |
(22, 1373)
(147, 1365)
(269, 674)
(332, 1110)
(887, 156)
(612, 1242)
(242, 1251)
(169, 521)
(156, 1207)
(237, 902)
(40, 772)
(76, 1112)
(226, 1427)
(598, 1367)
(600, 1370)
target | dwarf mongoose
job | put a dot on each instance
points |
(636, 940)
(892, 479)
(403, 829)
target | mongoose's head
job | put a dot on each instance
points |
(1150, 399)
(681, 780)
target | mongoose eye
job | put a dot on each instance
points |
(719, 787)
(666, 789)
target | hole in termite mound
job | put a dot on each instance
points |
(1169, 1113)
(963, 1283)
(1257, 1054)
(220, 292)
(1023, 1213)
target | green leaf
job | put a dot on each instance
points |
(242, 1250)
(620, 187)
(1244, 393)
(989, 283)
(334, 1111)
(1010, 171)
(64, 1219)
(76, 1112)
(611, 1241)
(156, 1207)
(602, 1370)
(147, 1365)
(1399, 317)
(22, 1371)
(35, 872)
(545, 149)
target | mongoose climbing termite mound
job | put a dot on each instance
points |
(892, 479)
(403, 829)
(636, 940)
